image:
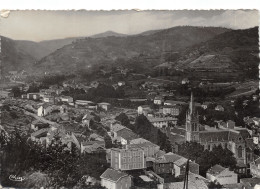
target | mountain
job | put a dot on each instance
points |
(34, 49)
(55, 44)
(108, 34)
(14, 57)
(236, 49)
(84, 53)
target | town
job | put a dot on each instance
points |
(124, 142)
(170, 102)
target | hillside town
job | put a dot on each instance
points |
(169, 107)
(157, 141)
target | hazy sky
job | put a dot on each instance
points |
(46, 25)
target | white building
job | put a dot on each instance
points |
(162, 122)
(114, 179)
(104, 105)
(44, 110)
(221, 175)
(67, 99)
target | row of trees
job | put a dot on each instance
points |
(206, 158)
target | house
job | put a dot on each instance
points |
(174, 102)
(158, 100)
(24, 96)
(171, 110)
(255, 168)
(219, 108)
(92, 146)
(205, 105)
(114, 128)
(162, 122)
(104, 105)
(49, 99)
(115, 179)
(96, 137)
(221, 175)
(6, 94)
(174, 164)
(37, 125)
(227, 125)
(86, 119)
(149, 148)
(125, 135)
(145, 110)
(127, 159)
(33, 96)
(44, 110)
(121, 83)
(185, 81)
(67, 99)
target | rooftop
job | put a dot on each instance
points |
(216, 170)
(113, 175)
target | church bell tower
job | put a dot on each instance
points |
(192, 122)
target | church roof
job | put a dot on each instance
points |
(208, 136)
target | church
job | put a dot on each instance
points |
(232, 138)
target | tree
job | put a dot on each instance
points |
(123, 118)
(214, 185)
(108, 142)
(17, 92)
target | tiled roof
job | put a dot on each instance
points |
(220, 135)
(113, 175)
(171, 157)
(89, 143)
(174, 102)
(117, 127)
(40, 132)
(181, 161)
(159, 119)
(139, 141)
(127, 134)
(216, 170)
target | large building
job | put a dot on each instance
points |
(233, 139)
(128, 159)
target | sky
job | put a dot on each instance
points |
(48, 25)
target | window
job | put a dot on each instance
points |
(124, 160)
(240, 152)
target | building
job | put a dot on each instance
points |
(37, 125)
(127, 159)
(255, 168)
(185, 81)
(6, 94)
(219, 108)
(174, 164)
(44, 110)
(145, 110)
(158, 100)
(125, 135)
(104, 105)
(115, 179)
(233, 139)
(121, 83)
(67, 99)
(150, 149)
(171, 110)
(92, 146)
(174, 102)
(33, 96)
(87, 119)
(162, 122)
(221, 175)
(205, 105)
(49, 99)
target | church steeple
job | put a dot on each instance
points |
(191, 103)
(192, 121)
